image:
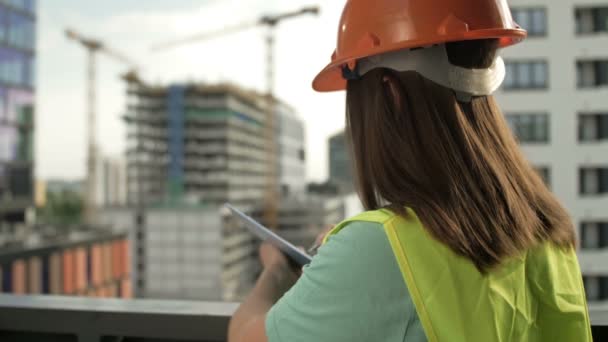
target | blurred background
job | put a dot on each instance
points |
(125, 125)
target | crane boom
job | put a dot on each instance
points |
(267, 20)
(205, 36)
(273, 20)
(99, 46)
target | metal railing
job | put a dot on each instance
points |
(79, 319)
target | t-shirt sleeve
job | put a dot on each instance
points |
(352, 291)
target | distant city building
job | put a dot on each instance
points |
(188, 253)
(325, 189)
(206, 144)
(340, 166)
(292, 155)
(92, 264)
(191, 148)
(111, 182)
(554, 98)
(17, 82)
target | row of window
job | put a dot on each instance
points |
(588, 20)
(534, 74)
(535, 127)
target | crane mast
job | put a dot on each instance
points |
(92, 47)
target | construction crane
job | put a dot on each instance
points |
(270, 22)
(93, 46)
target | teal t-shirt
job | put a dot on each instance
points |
(352, 291)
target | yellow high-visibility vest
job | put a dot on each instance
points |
(537, 296)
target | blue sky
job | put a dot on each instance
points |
(303, 47)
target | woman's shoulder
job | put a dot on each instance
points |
(360, 250)
(353, 278)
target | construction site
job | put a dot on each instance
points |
(191, 147)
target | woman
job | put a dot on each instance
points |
(462, 240)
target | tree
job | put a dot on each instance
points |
(62, 208)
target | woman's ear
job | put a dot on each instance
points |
(392, 87)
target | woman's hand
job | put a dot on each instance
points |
(271, 256)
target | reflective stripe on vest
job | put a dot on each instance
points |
(537, 296)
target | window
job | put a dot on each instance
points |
(534, 20)
(592, 127)
(21, 31)
(24, 5)
(596, 288)
(594, 234)
(593, 180)
(530, 128)
(592, 73)
(20, 181)
(545, 173)
(591, 20)
(526, 75)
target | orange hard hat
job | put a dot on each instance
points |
(372, 27)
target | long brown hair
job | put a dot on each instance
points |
(457, 165)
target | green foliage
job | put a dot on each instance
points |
(62, 208)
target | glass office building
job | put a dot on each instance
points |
(17, 77)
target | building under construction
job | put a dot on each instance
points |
(191, 148)
(206, 145)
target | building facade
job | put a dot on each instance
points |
(554, 98)
(340, 166)
(17, 75)
(206, 144)
(191, 148)
(190, 253)
(111, 182)
(291, 154)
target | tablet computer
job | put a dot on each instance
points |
(294, 253)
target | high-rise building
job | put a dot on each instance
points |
(17, 70)
(192, 148)
(206, 144)
(554, 98)
(340, 166)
